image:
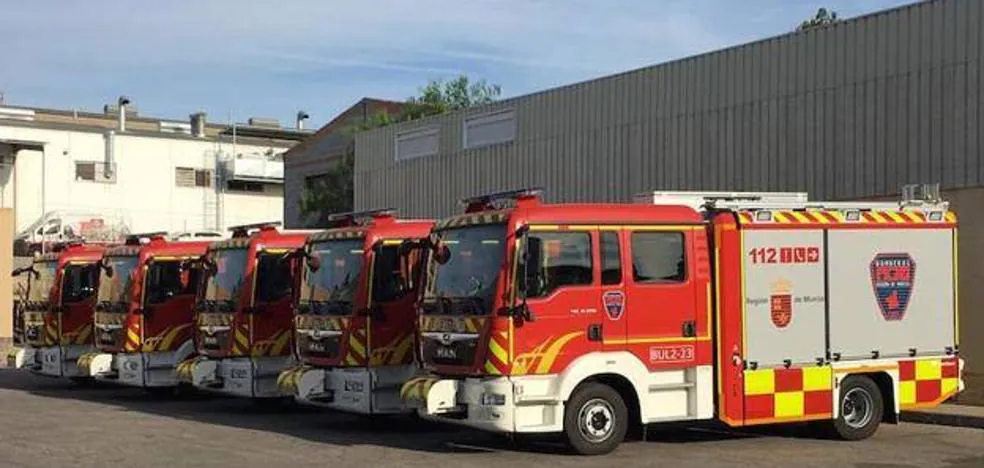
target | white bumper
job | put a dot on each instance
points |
(97, 365)
(58, 361)
(243, 377)
(355, 390)
(487, 404)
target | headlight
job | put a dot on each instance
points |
(493, 399)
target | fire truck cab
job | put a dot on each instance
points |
(746, 308)
(355, 313)
(244, 313)
(144, 312)
(57, 316)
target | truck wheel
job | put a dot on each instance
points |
(595, 419)
(861, 409)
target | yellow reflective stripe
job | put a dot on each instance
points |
(800, 217)
(392, 241)
(357, 346)
(930, 369)
(895, 216)
(498, 351)
(951, 217)
(817, 378)
(760, 382)
(788, 404)
(780, 217)
(491, 369)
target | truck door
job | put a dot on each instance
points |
(611, 300)
(562, 292)
(659, 303)
(169, 292)
(78, 292)
(391, 312)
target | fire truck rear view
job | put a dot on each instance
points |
(747, 308)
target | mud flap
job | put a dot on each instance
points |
(431, 395)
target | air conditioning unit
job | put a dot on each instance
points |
(255, 169)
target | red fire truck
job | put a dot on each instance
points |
(57, 316)
(355, 313)
(144, 311)
(244, 313)
(746, 308)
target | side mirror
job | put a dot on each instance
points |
(314, 262)
(442, 254)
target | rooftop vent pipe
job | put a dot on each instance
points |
(121, 104)
(301, 117)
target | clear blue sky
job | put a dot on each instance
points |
(270, 58)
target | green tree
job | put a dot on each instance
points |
(441, 96)
(823, 18)
(333, 192)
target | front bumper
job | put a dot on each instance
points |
(485, 404)
(356, 390)
(101, 366)
(52, 361)
(241, 376)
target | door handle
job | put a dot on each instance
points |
(594, 332)
(689, 329)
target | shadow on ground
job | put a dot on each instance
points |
(329, 427)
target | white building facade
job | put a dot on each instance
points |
(155, 175)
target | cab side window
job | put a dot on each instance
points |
(387, 284)
(611, 259)
(557, 259)
(274, 280)
(658, 257)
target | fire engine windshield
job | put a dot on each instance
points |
(115, 288)
(330, 289)
(41, 286)
(227, 281)
(465, 283)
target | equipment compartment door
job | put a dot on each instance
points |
(891, 291)
(784, 296)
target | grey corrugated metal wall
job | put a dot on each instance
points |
(854, 110)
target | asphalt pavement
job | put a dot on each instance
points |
(49, 422)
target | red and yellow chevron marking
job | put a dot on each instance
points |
(794, 394)
(83, 334)
(452, 324)
(288, 380)
(541, 358)
(835, 217)
(240, 340)
(497, 359)
(84, 361)
(184, 369)
(416, 389)
(927, 382)
(356, 355)
(275, 346)
(394, 353)
(165, 340)
(132, 342)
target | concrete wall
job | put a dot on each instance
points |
(145, 191)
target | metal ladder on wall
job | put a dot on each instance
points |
(210, 197)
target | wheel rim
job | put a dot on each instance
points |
(596, 420)
(857, 408)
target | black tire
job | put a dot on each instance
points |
(162, 392)
(861, 408)
(83, 381)
(595, 419)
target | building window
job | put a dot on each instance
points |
(490, 129)
(315, 182)
(244, 186)
(92, 171)
(658, 257)
(189, 177)
(416, 144)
